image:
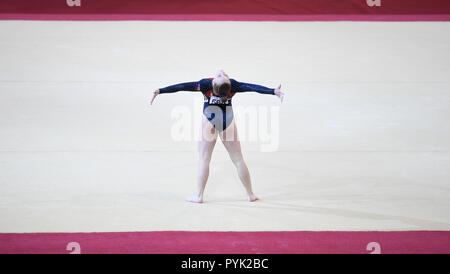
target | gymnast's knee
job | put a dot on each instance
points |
(205, 159)
(237, 160)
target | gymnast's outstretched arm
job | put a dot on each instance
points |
(188, 86)
(245, 87)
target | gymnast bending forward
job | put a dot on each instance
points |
(218, 120)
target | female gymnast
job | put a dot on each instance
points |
(218, 120)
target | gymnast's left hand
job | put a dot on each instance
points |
(279, 93)
(154, 96)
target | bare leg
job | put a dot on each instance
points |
(205, 149)
(233, 145)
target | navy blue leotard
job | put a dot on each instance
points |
(218, 113)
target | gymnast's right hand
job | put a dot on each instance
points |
(278, 93)
(154, 96)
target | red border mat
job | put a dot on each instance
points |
(236, 10)
(226, 17)
(185, 242)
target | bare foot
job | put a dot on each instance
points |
(195, 199)
(252, 198)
